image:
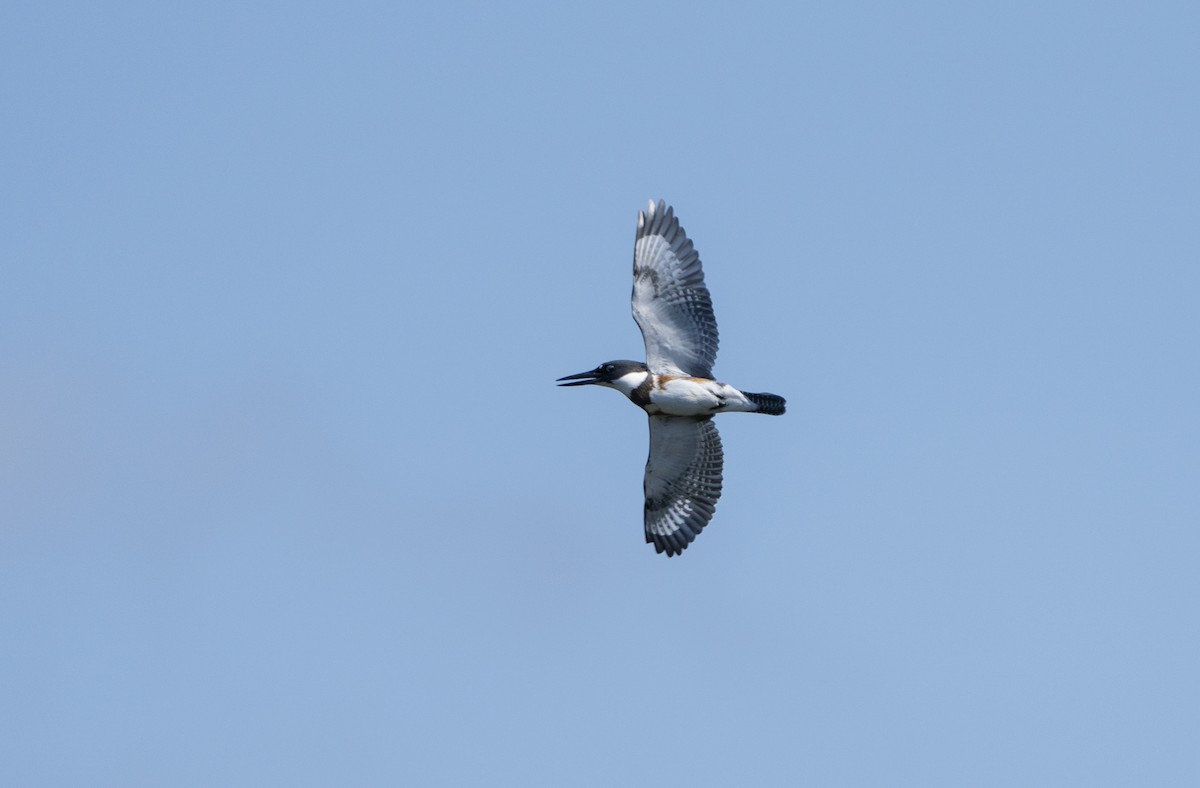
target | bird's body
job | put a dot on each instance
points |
(674, 387)
(677, 395)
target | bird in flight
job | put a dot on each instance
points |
(675, 387)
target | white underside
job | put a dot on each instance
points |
(693, 397)
(686, 396)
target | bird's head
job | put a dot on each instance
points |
(612, 374)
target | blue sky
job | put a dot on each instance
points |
(288, 496)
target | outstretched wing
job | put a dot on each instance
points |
(670, 302)
(683, 480)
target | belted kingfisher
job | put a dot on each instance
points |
(675, 387)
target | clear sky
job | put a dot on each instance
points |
(288, 495)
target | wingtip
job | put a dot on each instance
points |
(657, 208)
(656, 216)
(664, 544)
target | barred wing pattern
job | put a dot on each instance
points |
(670, 301)
(683, 480)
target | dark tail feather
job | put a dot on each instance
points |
(771, 404)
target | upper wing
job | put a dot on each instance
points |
(683, 480)
(670, 302)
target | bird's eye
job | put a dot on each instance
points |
(609, 367)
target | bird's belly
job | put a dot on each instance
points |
(687, 397)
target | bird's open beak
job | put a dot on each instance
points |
(582, 379)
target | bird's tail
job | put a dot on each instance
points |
(770, 404)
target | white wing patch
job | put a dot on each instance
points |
(670, 301)
(683, 480)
